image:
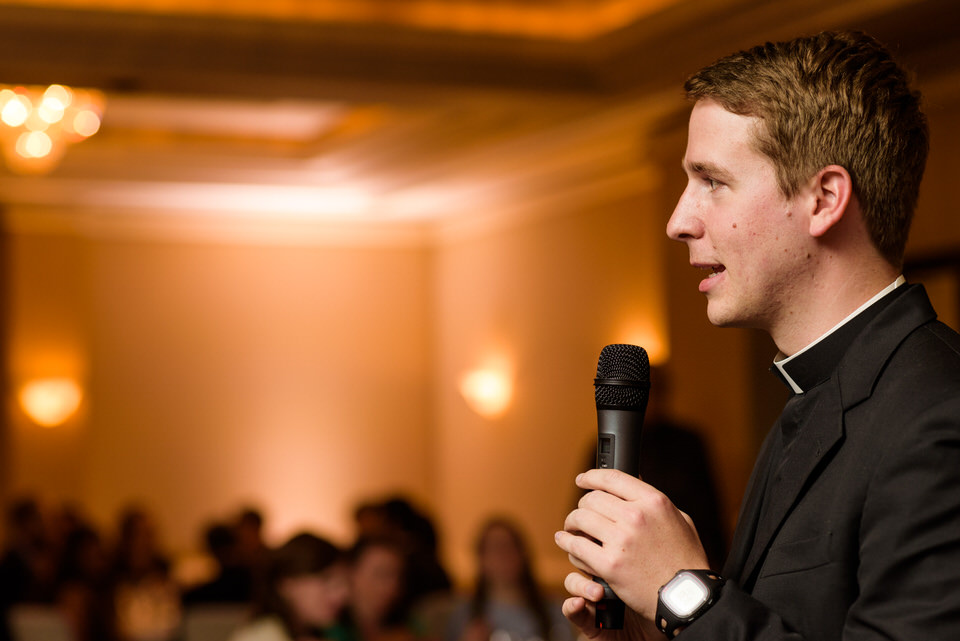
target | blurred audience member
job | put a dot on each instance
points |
(398, 518)
(84, 594)
(377, 609)
(690, 486)
(233, 582)
(507, 602)
(370, 520)
(307, 587)
(28, 563)
(62, 524)
(146, 599)
(252, 551)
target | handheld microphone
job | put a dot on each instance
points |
(622, 388)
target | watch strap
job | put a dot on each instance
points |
(668, 622)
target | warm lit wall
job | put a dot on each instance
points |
(935, 225)
(541, 298)
(291, 378)
(47, 323)
(935, 229)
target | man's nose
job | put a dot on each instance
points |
(684, 223)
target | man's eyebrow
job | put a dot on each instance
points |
(709, 169)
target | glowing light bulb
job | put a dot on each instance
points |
(34, 144)
(59, 94)
(16, 111)
(6, 96)
(51, 401)
(86, 123)
(487, 392)
(36, 122)
(51, 110)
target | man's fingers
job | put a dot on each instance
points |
(580, 615)
(615, 482)
(579, 549)
(577, 584)
(589, 523)
(574, 608)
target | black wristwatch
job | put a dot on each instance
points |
(685, 597)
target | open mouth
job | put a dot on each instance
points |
(714, 270)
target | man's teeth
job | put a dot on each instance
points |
(714, 270)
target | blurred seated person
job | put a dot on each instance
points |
(307, 587)
(84, 595)
(397, 517)
(507, 603)
(146, 598)
(377, 610)
(233, 582)
(252, 551)
(28, 562)
(690, 486)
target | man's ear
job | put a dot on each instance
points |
(832, 190)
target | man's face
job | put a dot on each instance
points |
(738, 226)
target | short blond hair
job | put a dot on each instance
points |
(832, 99)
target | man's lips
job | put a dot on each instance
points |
(715, 270)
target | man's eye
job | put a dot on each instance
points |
(713, 184)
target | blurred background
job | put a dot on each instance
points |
(307, 254)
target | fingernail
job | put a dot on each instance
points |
(579, 476)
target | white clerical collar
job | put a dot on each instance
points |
(781, 361)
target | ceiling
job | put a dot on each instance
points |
(545, 19)
(389, 114)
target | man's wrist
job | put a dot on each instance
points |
(685, 598)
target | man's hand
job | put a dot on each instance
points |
(632, 536)
(581, 612)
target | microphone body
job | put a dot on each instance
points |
(622, 388)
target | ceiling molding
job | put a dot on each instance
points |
(238, 56)
(537, 19)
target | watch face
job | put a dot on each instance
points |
(684, 594)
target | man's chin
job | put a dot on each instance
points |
(721, 317)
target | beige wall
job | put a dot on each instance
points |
(545, 297)
(288, 377)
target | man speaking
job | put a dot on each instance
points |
(804, 162)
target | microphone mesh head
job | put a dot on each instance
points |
(623, 377)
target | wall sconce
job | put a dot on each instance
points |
(488, 392)
(50, 401)
(638, 331)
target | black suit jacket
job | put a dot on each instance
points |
(861, 535)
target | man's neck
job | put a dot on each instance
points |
(829, 303)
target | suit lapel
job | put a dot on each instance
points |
(820, 430)
(744, 534)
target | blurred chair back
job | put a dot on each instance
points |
(212, 622)
(38, 623)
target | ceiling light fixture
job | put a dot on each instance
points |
(38, 123)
